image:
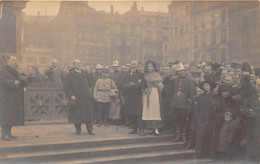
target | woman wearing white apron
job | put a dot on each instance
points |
(151, 97)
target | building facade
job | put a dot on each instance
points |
(179, 47)
(37, 44)
(79, 32)
(245, 32)
(98, 37)
(210, 32)
(11, 28)
(222, 32)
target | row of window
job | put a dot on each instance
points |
(90, 51)
(222, 58)
(125, 29)
(180, 12)
(180, 30)
(91, 35)
(213, 19)
(204, 38)
(179, 46)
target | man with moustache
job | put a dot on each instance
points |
(77, 88)
(133, 84)
(11, 102)
(183, 91)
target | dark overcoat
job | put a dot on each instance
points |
(12, 97)
(253, 130)
(187, 88)
(79, 85)
(202, 123)
(166, 99)
(216, 120)
(132, 94)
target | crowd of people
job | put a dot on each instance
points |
(212, 108)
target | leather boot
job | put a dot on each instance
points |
(99, 119)
(105, 120)
(134, 131)
(188, 146)
(142, 133)
(177, 138)
(184, 139)
(190, 143)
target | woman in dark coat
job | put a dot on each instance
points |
(202, 120)
(77, 88)
(11, 101)
(220, 103)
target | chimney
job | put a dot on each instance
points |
(112, 9)
(134, 7)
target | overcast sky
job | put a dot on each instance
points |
(51, 8)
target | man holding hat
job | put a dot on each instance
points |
(183, 90)
(77, 87)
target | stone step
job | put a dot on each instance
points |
(159, 156)
(4, 151)
(88, 152)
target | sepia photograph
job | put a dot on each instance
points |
(130, 82)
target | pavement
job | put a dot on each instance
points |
(54, 132)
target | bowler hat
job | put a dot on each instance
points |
(71, 104)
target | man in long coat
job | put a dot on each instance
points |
(183, 90)
(77, 88)
(132, 93)
(11, 101)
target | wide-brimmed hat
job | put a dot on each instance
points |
(212, 85)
